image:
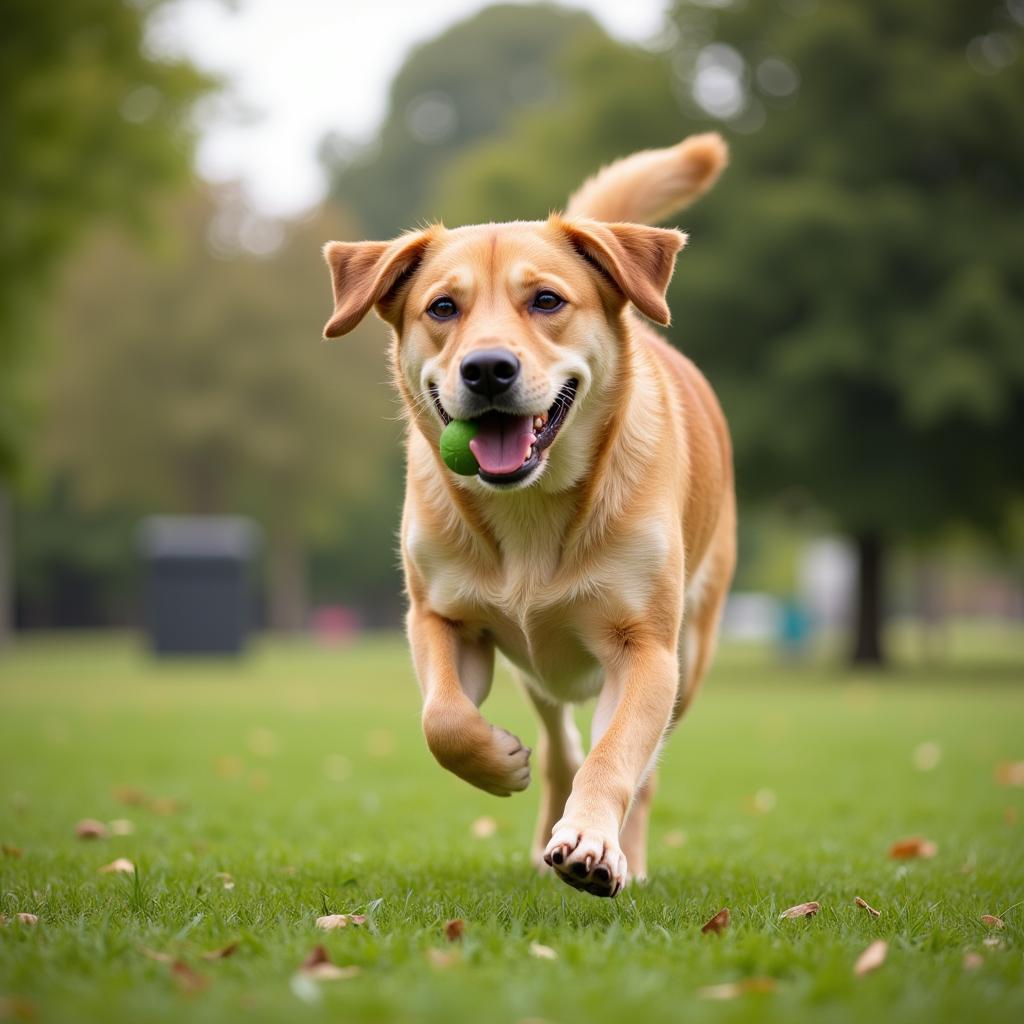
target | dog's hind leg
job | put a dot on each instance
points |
(561, 754)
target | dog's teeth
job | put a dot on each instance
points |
(537, 423)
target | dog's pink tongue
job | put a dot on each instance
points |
(502, 442)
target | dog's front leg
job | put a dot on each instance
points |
(455, 676)
(637, 699)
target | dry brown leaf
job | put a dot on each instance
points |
(735, 989)
(718, 924)
(223, 953)
(121, 827)
(442, 958)
(120, 866)
(358, 919)
(14, 852)
(17, 1008)
(160, 958)
(801, 910)
(132, 796)
(165, 806)
(331, 921)
(187, 979)
(454, 929)
(864, 905)
(484, 828)
(90, 828)
(1010, 773)
(973, 960)
(542, 952)
(991, 921)
(26, 918)
(915, 846)
(318, 965)
(872, 958)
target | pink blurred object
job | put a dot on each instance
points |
(335, 624)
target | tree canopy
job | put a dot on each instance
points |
(92, 123)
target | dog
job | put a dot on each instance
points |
(596, 543)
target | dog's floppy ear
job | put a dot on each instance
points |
(637, 259)
(367, 274)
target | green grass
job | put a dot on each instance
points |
(302, 773)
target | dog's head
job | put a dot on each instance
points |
(518, 327)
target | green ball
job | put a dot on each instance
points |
(455, 447)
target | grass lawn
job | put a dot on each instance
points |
(302, 774)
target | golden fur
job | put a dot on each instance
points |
(605, 572)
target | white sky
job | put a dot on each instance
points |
(297, 69)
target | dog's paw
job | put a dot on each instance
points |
(485, 756)
(587, 859)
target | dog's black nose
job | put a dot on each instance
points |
(489, 371)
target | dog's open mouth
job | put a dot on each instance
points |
(508, 447)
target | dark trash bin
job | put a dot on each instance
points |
(199, 587)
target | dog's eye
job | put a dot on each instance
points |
(548, 301)
(443, 308)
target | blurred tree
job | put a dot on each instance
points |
(90, 124)
(467, 84)
(859, 300)
(209, 392)
(855, 289)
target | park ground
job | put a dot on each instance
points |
(264, 793)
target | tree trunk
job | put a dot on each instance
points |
(868, 612)
(288, 596)
(6, 568)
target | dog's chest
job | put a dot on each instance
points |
(533, 612)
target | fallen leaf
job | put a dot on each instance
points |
(359, 919)
(14, 852)
(90, 828)
(121, 827)
(454, 930)
(675, 838)
(331, 921)
(17, 1008)
(165, 806)
(223, 953)
(864, 905)
(130, 795)
(120, 866)
(927, 756)
(734, 989)
(718, 924)
(484, 828)
(991, 921)
(442, 958)
(915, 846)
(801, 910)
(160, 958)
(318, 965)
(187, 979)
(225, 879)
(26, 918)
(1010, 773)
(542, 952)
(972, 960)
(872, 958)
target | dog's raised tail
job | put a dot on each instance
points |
(647, 187)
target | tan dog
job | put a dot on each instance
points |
(595, 546)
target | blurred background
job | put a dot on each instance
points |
(853, 288)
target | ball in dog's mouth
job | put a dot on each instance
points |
(508, 446)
